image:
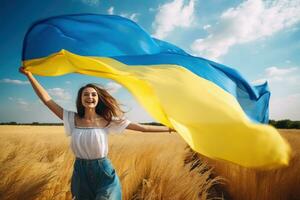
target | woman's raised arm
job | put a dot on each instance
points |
(43, 94)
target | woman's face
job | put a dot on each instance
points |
(89, 97)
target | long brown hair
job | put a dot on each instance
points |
(107, 106)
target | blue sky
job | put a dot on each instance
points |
(261, 39)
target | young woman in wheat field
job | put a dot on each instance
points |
(98, 114)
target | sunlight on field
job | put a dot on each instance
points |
(36, 163)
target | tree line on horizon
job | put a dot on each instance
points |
(282, 124)
(285, 123)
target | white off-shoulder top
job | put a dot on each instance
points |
(90, 142)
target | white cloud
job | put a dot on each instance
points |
(171, 15)
(33, 111)
(275, 71)
(110, 10)
(113, 87)
(136, 112)
(288, 61)
(284, 84)
(206, 26)
(20, 102)
(276, 75)
(133, 16)
(152, 9)
(60, 93)
(12, 81)
(286, 107)
(91, 2)
(249, 21)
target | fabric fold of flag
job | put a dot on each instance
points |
(215, 110)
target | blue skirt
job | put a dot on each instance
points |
(95, 180)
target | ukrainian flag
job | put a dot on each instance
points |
(214, 109)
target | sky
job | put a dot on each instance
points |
(260, 39)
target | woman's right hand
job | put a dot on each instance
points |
(24, 71)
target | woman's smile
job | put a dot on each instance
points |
(89, 97)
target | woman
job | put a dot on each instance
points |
(97, 115)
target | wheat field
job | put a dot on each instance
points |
(36, 163)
